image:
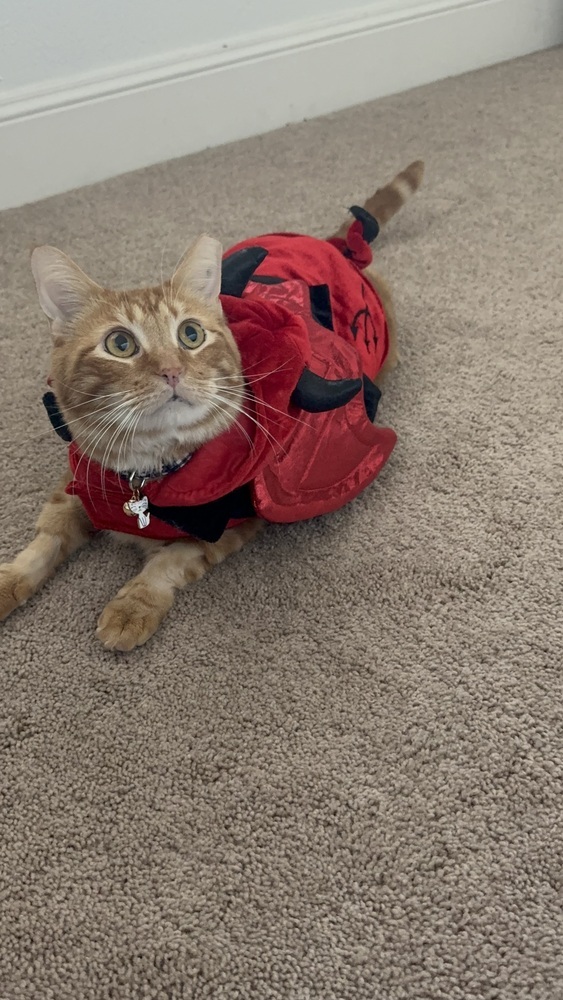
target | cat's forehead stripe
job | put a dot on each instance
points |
(167, 309)
(154, 306)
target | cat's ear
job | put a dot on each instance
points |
(62, 287)
(199, 271)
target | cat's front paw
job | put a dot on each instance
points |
(15, 589)
(130, 619)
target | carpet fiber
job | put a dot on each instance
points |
(337, 771)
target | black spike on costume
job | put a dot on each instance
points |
(316, 394)
(372, 395)
(370, 225)
(238, 269)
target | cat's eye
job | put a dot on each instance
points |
(191, 334)
(121, 344)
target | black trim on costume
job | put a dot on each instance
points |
(372, 395)
(319, 296)
(316, 394)
(207, 521)
(56, 417)
(370, 225)
(268, 279)
(238, 269)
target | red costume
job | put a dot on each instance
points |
(312, 335)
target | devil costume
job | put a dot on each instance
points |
(312, 335)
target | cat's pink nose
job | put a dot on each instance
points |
(171, 375)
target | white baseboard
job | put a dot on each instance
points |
(89, 128)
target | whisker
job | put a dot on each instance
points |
(129, 434)
(96, 433)
(92, 413)
(93, 395)
(228, 423)
(103, 427)
(255, 378)
(269, 436)
(109, 413)
(122, 427)
(267, 406)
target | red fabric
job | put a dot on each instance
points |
(354, 246)
(299, 464)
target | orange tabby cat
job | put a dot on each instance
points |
(135, 398)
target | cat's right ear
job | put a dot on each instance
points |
(199, 271)
(62, 287)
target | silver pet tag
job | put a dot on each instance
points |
(137, 506)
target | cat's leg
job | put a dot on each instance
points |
(62, 527)
(139, 607)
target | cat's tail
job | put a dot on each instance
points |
(387, 201)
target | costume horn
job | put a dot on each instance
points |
(238, 269)
(317, 394)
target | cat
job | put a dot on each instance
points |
(144, 380)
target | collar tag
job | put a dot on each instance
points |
(137, 505)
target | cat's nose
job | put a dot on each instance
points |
(171, 375)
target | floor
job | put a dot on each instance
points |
(336, 773)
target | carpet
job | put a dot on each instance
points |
(337, 771)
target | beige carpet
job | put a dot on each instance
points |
(337, 772)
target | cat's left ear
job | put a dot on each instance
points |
(199, 271)
(63, 288)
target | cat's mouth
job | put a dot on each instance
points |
(179, 405)
(177, 397)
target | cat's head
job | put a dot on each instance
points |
(144, 376)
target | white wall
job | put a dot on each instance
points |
(75, 72)
(46, 42)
